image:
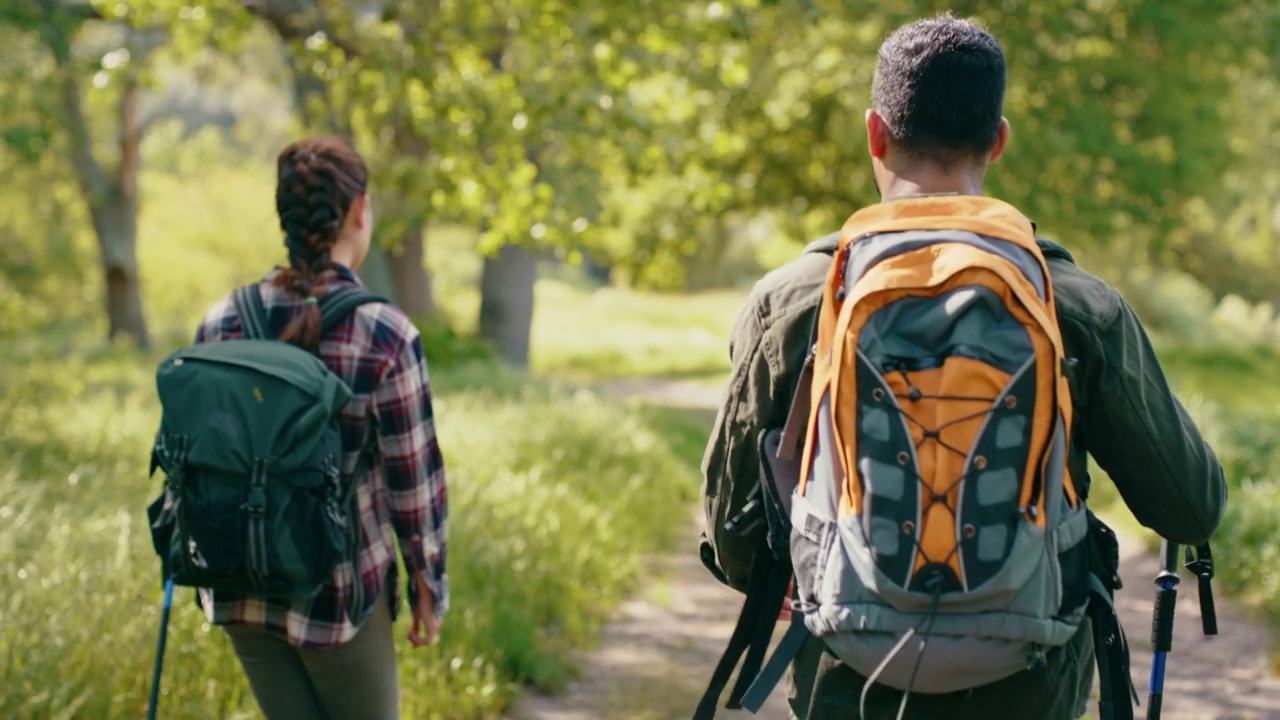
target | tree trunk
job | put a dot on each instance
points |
(506, 302)
(123, 289)
(117, 222)
(596, 270)
(409, 276)
(112, 197)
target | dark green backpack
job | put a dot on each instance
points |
(250, 443)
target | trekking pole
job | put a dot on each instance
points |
(1162, 623)
(164, 632)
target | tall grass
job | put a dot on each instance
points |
(555, 497)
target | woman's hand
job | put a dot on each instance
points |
(426, 626)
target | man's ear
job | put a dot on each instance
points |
(1002, 140)
(877, 135)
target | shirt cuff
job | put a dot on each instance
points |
(430, 569)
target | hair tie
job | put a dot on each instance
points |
(312, 300)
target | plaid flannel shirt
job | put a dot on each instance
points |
(377, 352)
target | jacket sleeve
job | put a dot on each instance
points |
(732, 450)
(413, 469)
(1143, 438)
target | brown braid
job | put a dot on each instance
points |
(318, 180)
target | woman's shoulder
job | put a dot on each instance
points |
(219, 321)
(388, 327)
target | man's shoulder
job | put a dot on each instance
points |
(796, 285)
(1080, 296)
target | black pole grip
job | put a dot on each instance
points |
(1162, 619)
(1166, 598)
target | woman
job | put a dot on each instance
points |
(333, 655)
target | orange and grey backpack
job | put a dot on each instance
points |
(935, 508)
(934, 531)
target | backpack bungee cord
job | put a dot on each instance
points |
(1198, 560)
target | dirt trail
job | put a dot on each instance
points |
(657, 654)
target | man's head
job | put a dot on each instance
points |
(937, 103)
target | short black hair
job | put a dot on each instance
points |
(939, 86)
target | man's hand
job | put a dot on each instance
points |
(426, 626)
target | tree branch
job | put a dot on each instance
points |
(131, 129)
(298, 20)
(57, 26)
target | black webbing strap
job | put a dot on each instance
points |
(1117, 695)
(769, 677)
(758, 609)
(775, 594)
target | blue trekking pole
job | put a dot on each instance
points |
(1199, 561)
(164, 632)
(1162, 623)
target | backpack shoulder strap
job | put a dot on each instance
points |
(252, 312)
(798, 415)
(340, 302)
(801, 402)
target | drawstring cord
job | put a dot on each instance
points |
(934, 584)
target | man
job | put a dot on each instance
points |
(935, 127)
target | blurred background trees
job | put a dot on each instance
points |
(657, 143)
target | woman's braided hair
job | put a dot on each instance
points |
(317, 181)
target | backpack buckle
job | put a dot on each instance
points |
(256, 503)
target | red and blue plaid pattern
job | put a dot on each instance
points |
(377, 351)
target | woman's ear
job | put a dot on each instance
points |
(359, 214)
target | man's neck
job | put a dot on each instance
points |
(933, 180)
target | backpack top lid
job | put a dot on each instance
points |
(982, 215)
(240, 401)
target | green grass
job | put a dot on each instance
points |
(555, 496)
(610, 332)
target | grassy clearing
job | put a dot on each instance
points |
(585, 331)
(610, 332)
(555, 495)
